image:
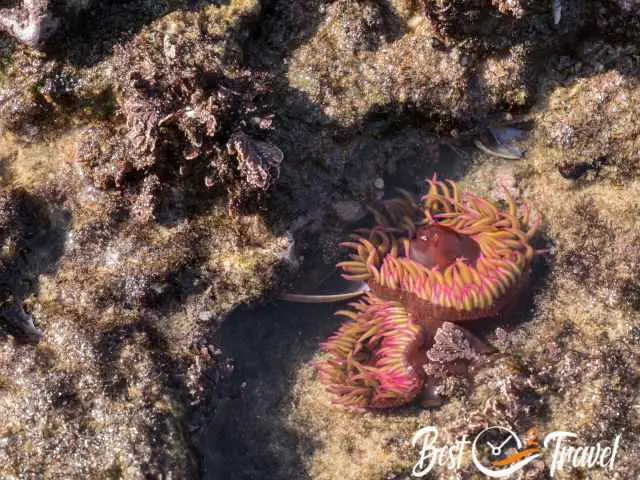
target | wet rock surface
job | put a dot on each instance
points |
(166, 166)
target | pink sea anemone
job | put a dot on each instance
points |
(454, 257)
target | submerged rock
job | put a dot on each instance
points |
(192, 115)
(147, 261)
(592, 127)
(33, 22)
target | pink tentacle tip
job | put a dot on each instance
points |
(463, 258)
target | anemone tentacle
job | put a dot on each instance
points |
(369, 357)
(449, 257)
(502, 239)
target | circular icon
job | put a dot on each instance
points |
(495, 445)
(506, 438)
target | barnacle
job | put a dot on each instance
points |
(452, 257)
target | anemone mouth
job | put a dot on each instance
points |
(436, 245)
(454, 250)
(370, 359)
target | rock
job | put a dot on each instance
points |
(36, 21)
(349, 211)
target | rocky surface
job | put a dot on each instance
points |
(167, 165)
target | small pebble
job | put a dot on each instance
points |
(349, 211)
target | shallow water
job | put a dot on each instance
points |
(246, 435)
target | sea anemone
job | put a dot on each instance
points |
(454, 257)
(372, 355)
